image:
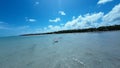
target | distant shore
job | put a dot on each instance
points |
(102, 28)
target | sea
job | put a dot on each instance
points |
(71, 50)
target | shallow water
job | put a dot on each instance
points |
(78, 50)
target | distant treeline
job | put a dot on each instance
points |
(102, 28)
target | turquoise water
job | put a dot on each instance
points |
(78, 50)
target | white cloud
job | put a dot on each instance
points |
(51, 28)
(113, 17)
(62, 13)
(103, 1)
(86, 21)
(30, 19)
(55, 20)
(90, 20)
(54, 28)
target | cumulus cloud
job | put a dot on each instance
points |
(103, 1)
(62, 13)
(95, 19)
(113, 17)
(88, 20)
(55, 20)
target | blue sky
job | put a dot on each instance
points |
(35, 16)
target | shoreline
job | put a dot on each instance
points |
(99, 29)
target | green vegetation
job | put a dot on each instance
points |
(103, 28)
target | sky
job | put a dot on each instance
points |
(38, 16)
